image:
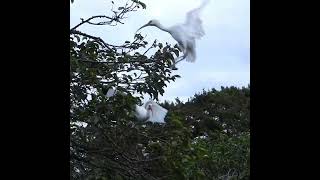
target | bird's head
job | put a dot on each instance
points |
(149, 107)
(149, 110)
(152, 22)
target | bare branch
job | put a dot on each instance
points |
(91, 18)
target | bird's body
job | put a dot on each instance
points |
(150, 111)
(141, 113)
(186, 42)
(185, 34)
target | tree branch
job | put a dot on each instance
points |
(94, 17)
(97, 39)
(102, 62)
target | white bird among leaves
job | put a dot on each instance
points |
(111, 92)
(185, 34)
(150, 111)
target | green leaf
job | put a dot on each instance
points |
(78, 38)
(174, 143)
(84, 37)
(96, 120)
(176, 52)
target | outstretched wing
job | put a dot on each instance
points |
(193, 24)
(158, 113)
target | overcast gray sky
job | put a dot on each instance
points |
(223, 54)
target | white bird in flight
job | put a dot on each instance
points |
(150, 111)
(185, 34)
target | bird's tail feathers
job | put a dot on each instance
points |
(191, 57)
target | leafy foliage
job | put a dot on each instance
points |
(104, 133)
(219, 139)
(227, 110)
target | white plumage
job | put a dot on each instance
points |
(185, 34)
(151, 111)
(111, 92)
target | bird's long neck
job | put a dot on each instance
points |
(160, 26)
(149, 113)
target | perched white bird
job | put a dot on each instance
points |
(151, 111)
(185, 34)
(111, 92)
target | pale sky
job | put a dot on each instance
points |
(223, 53)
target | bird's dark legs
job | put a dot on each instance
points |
(181, 48)
(178, 60)
(174, 63)
(182, 58)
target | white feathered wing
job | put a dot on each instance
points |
(194, 30)
(158, 113)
